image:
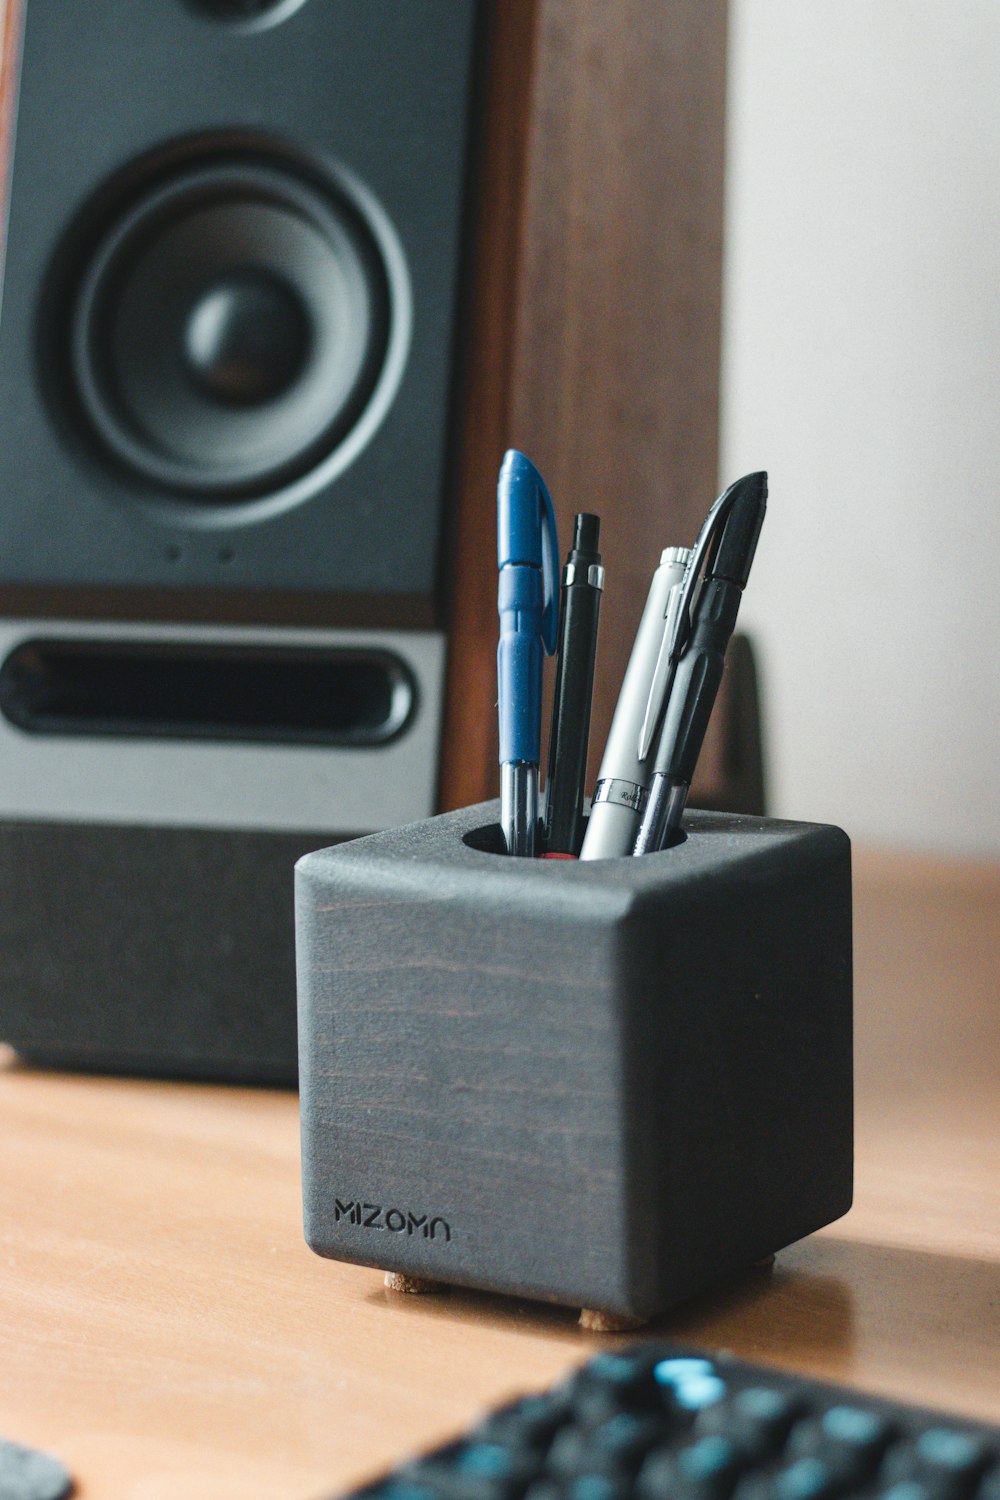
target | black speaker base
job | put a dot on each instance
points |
(159, 952)
(176, 1070)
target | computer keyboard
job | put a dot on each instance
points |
(660, 1423)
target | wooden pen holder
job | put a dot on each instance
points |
(605, 1084)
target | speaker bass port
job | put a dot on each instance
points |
(346, 697)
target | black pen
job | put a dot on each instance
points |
(726, 546)
(582, 583)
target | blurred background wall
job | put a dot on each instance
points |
(861, 348)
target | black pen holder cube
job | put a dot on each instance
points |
(604, 1084)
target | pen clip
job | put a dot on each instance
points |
(707, 538)
(677, 624)
(527, 534)
(659, 687)
(550, 568)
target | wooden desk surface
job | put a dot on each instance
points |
(165, 1330)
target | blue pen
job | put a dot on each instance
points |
(528, 602)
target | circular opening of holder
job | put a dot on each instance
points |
(490, 840)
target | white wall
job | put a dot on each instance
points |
(861, 358)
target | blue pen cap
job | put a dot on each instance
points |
(526, 533)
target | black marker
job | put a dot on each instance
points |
(726, 546)
(582, 583)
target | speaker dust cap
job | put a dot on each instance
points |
(233, 328)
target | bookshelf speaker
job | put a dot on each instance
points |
(228, 346)
(283, 279)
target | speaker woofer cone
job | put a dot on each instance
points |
(229, 329)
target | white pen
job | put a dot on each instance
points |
(623, 777)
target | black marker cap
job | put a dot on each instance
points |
(586, 536)
(737, 542)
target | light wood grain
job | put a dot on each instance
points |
(167, 1332)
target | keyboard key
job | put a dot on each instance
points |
(594, 1487)
(582, 1487)
(800, 1479)
(611, 1383)
(989, 1485)
(757, 1418)
(486, 1461)
(615, 1446)
(945, 1461)
(775, 1410)
(703, 1470)
(848, 1439)
(474, 1471)
(855, 1427)
(671, 1372)
(907, 1489)
(618, 1369)
(699, 1391)
(957, 1452)
(529, 1423)
(808, 1479)
(402, 1489)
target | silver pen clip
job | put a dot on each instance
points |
(677, 620)
(660, 682)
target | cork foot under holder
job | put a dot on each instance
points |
(592, 1319)
(605, 1084)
